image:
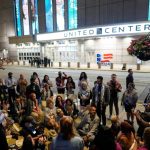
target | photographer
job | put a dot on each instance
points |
(33, 135)
(60, 82)
(115, 88)
(143, 119)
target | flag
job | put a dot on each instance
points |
(107, 57)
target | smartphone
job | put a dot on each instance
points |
(34, 132)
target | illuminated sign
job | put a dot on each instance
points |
(25, 14)
(34, 16)
(72, 14)
(98, 31)
(60, 15)
(124, 29)
(49, 15)
(18, 21)
(67, 34)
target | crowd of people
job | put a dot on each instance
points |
(72, 125)
(39, 62)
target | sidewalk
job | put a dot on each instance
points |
(88, 66)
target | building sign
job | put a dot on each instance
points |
(114, 30)
(67, 34)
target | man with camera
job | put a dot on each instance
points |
(143, 119)
(115, 88)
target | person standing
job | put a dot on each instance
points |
(70, 86)
(83, 77)
(11, 83)
(60, 82)
(101, 98)
(66, 139)
(115, 88)
(49, 62)
(129, 100)
(45, 62)
(129, 78)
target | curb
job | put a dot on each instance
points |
(137, 71)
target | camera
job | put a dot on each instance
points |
(145, 104)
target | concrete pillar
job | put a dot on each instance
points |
(18, 63)
(24, 63)
(42, 50)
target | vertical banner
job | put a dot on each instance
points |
(72, 14)
(25, 15)
(18, 18)
(34, 16)
(149, 11)
(60, 15)
(49, 15)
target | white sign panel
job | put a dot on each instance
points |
(97, 31)
(67, 34)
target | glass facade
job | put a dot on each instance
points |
(25, 17)
(72, 14)
(60, 15)
(49, 15)
(34, 16)
(149, 11)
(18, 18)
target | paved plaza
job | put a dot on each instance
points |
(141, 79)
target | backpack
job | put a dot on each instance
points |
(128, 102)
